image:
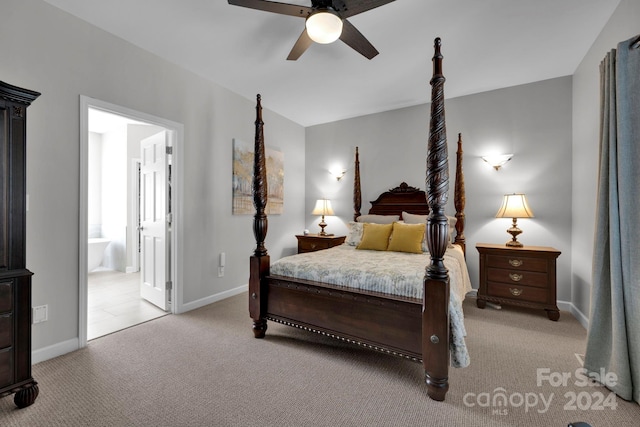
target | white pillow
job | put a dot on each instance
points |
(354, 236)
(410, 218)
(378, 219)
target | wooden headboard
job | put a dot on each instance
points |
(402, 198)
(405, 198)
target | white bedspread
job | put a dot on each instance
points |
(396, 273)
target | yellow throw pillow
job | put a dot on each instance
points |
(375, 237)
(407, 238)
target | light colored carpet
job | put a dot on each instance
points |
(204, 368)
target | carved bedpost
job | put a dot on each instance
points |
(357, 194)
(259, 261)
(460, 199)
(435, 306)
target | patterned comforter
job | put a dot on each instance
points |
(396, 273)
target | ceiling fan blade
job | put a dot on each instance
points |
(303, 43)
(354, 7)
(275, 7)
(354, 38)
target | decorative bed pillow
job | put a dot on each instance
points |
(452, 226)
(375, 237)
(407, 238)
(355, 233)
(378, 219)
(410, 218)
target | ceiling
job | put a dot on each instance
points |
(486, 44)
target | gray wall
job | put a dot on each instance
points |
(54, 53)
(622, 25)
(531, 121)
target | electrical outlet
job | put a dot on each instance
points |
(220, 271)
(40, 314)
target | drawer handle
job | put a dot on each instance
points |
(515, 277)
(515, 262)
(515, 292)
(313, 246)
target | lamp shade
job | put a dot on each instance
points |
(324, 26)
(323, 207)
(514, 206)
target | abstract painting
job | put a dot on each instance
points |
(243, 179)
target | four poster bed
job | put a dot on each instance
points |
(414, 324)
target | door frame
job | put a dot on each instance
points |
(176, 135)
(134, 234)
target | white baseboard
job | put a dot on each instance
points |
(130, 270)
(68, 346)
(213, 298)
(54, 350)
(584, 320)
(571, 308)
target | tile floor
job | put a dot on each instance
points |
(114, 303)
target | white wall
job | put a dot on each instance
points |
(113, 194)
(622, 25)
(94, 189)
(55, 53)
(531, 121)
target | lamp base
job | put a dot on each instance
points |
(514, 231)
(514, 244)
(322, 225)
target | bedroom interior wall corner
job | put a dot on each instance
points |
(533, 120)
(212, 117)
(622, 25)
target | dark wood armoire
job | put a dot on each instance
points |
(15, 279)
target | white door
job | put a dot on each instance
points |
(153, 220)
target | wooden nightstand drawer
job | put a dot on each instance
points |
(525, 278)
(314, 242)
(517, 262)
(522, 276)
(518, 292)
(313, 245)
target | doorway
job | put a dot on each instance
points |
(117, 279)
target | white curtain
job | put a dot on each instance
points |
(614, 331)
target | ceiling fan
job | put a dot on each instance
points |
(325, 22)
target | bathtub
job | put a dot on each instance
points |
(95, 251)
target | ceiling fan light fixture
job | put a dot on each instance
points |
(324, 26)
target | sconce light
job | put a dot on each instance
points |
(323, 207)
(514, 206)
(337, 173)
(497, 160)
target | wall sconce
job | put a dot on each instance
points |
(337, 173)
(514, 206)
(323, 207)
(497, 160)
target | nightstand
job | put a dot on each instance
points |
(518, 276)
(315, 242)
